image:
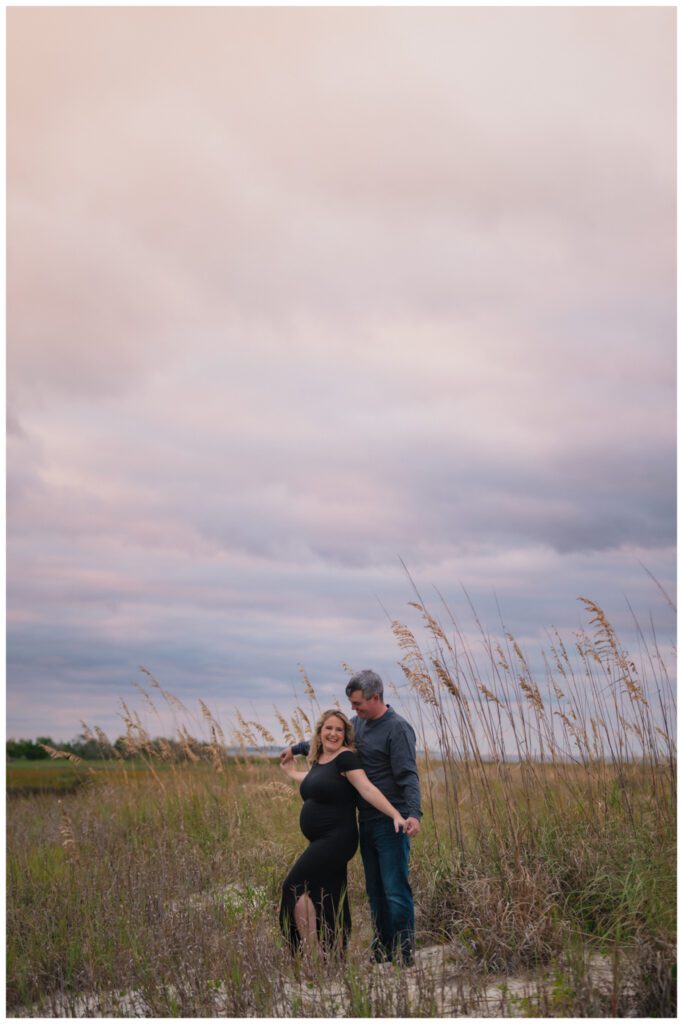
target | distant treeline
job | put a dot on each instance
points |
(92, 749)
(33, 750)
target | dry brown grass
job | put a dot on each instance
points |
(548, 838)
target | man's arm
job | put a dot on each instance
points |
(291, 752)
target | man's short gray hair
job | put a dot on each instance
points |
(368, 682)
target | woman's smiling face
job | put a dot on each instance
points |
(332, 734)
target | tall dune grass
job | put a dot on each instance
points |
(548, 838)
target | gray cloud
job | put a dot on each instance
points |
(293, 293)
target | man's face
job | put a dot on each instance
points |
(364, 707)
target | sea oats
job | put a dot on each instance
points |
(421, 682)
(502, 661)
(489, 694)
(308, 685)
(284, 725)
(67, 755)
(531, 692)
(264, 733)
(445, 678)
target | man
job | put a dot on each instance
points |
(386, 745)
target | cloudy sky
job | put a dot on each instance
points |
(294, 294)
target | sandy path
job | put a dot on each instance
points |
(399, 991)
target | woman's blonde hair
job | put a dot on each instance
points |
(316, 742)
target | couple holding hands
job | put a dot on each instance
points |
(367, 763)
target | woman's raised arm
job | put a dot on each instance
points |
(289, 768)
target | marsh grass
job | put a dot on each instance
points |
(548, 839)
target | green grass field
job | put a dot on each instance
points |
(26, 778)
(32, 777)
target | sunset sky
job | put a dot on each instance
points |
(297, 293)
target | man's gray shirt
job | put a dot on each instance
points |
(387, 749)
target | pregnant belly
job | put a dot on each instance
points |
(319, 821)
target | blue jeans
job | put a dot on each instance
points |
(385, 856)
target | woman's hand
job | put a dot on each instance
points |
(289, 768)
(372, 794)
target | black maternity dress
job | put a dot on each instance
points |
(328, 820)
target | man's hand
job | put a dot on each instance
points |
(412, 826)
(286, 756)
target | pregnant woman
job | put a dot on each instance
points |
(314, 913)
